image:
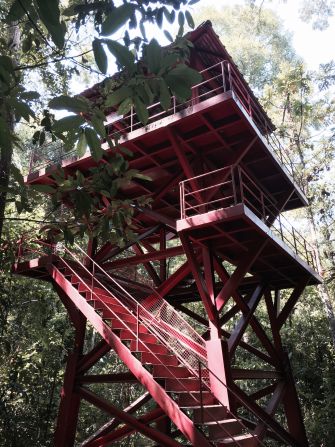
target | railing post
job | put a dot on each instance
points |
(232, 173)
(223, 77)
(19, 251)
(263, 206)
(281, 228)
(131, 118)
(241, 184)
(306, 251)
(92, 279)
(294, 241)
(229, 78)
(174, 104)
(31, 161)
(182, 197)
(137, 325)
(249, 106)
(200, 389)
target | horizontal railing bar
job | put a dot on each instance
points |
(207, 188)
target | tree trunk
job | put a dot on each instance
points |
(6, 153)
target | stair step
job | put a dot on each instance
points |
(109, 315)
(128, 335)
(209, 413)
(224, 429)
(162, 371)
(182, 385)
(119, 310)
(117, 324)
(101, 298)
(238, 440)
(194, 400)
(150, 359)
(148, 347)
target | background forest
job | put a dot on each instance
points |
(35, 335)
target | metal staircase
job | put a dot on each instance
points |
(160, 349)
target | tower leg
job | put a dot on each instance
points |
(292, 407)
(70, 400)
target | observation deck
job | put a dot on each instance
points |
(221, 131)
(220, 181)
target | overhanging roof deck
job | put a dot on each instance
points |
(214, 126)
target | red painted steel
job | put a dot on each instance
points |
(237, 253)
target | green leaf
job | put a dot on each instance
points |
(49, 14)
(169, 61)
(16, 12)
(141, 110)
(99, 125)
(118, 96)
(42, 138)
(126, 151)
(70, 11)
(170, 16)
(100, 56)
(142, 177)
(18, 177)
(181, 19)
(94, 143)
(125, 106)
(75, 105)
(27, 43)
(122, 54)
(116, 18)
(164, 95)
(142, 29)
(22, 109)
(81, 145)
(68, 123)
(189, 19)
(181, 79)
(168, 36)
(154, 56)
(29, 96)
(7, 64)
(44, 188)
(159, 17)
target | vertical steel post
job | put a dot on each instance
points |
(230, 78)
(223, 77)
(137, 325)
(241, 183)
(131, 118)
(232, 174)
(263, 206)
(200, 389)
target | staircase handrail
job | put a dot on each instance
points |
(149, 327)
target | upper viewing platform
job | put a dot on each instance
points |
(223, 122)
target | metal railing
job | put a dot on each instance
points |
(232, 185)
(219, 78)
(198, 366)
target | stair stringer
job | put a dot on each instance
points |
(167, 404)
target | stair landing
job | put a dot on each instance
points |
(236, 230)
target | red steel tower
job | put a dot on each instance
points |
(214, 373)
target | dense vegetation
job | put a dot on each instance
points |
(35, 335)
